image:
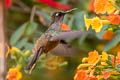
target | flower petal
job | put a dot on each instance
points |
(65, 27)
(108, 35)
(93, 57)
(100, 6)
(97, 24)
(87, 22)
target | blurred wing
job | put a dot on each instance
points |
(68, 34)
(65, 50)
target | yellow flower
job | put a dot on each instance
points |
(96, 24)
(14, 74)
(83, 66)
(106, 22)
(14, 50)
(104, 56)
(84, 60)
(104, 63)
(110, 8)
(27, 53)
(87, 22)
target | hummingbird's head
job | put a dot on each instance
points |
(58, 16)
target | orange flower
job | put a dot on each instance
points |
(91, 78)
(100, 6)
(106, 75)
(92, 5)
(103, 6)
(114, 18)
(93, 57)
(51, 63)
(14, 74)
(81, 74)
(65, 27)
(108, 35)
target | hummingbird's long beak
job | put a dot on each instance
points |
(65, 12)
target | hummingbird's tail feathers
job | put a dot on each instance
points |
(33, 59)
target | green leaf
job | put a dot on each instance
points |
(70, 23)
(112, 43)
(109, 70)
(17, 34)
(21, 43)
(109, 60)
(79, 20)
(31, 28)
(28, 46)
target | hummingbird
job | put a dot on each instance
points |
(50, 39)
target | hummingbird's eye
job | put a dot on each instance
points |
(57, 14)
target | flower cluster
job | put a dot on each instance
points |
(97, 67)
(53, 62)
(14, 73)
(21, 59)
(103, 7)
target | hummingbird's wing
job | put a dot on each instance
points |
(69, 34)
(66, 50)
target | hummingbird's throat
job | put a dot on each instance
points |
(56, 26)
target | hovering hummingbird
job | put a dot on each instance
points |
(51, 39)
